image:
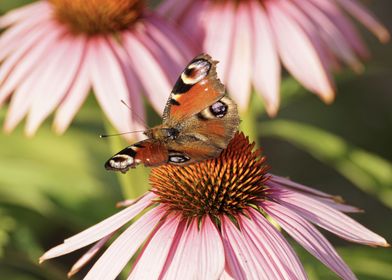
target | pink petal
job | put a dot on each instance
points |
(219, 30)
(151, 75)
(173, 9)
(109, 83)
(55, 81)
(26, 11)
(366, 18)
(240, 72)
(18, 57)
(286, 183)
(134, 88)
(298, 53)
(191, 21)
(187, 49)
(27, 90)
(88, 256)
(29, 63)
(241, 256)
(163, 50)
(281, 258)
(266, 65)
(309, 237)
(211, 252)
(278, 183)
(151, 261)
(14, 37)
(340, 206)
(329, 218)
(74, 97)
(110, 264)
(343, 24)
(99, 230)
(199, 253)
(226, 276)
(332, 36)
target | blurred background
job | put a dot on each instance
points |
(52, 187)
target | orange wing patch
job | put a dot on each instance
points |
(197, 88)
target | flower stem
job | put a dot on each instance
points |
(250, 118)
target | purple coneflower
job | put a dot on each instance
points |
(250, 38)
(54, 51)
(209, 221)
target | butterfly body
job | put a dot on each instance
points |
(199, 120)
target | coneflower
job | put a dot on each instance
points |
(209, 221)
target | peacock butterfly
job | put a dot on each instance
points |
(199, 121)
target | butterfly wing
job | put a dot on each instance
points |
(197, 88)
(207, 133)
(149, 152)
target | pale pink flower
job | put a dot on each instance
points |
(55, 51)
(208, 221)
(251, 38)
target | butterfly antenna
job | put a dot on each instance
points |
(136, 115)
(118, 134)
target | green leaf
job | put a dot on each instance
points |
(369, 172)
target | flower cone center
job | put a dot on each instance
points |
(224, 185)
(98, 16)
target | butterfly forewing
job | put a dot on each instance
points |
(197, 88)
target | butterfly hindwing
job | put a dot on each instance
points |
(149, 152)
(207, 133)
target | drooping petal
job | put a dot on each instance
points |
(366, 18)
(211, 252)
(220, 28)
(83, 260)
(134, 88)
(174, 8)
(309, 237)
(240, 256)
(27, 54)
(26, 11)
(343, 24)
(13, 37)
(29, 88)
(266, 65)
(74, 97)
(338, 205)
(298, 53)
(282, 260)
(191, 20)
(151, 261)
(203, 251)
(109, 83)
(163, 50)
(227, 276)
(55, 81)
(240, 72)
(287, 183)
(184, 46)
(278, 183)
(110, 264)
(329, 218)
(149, 72)
(331, 35)
(99, 230)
